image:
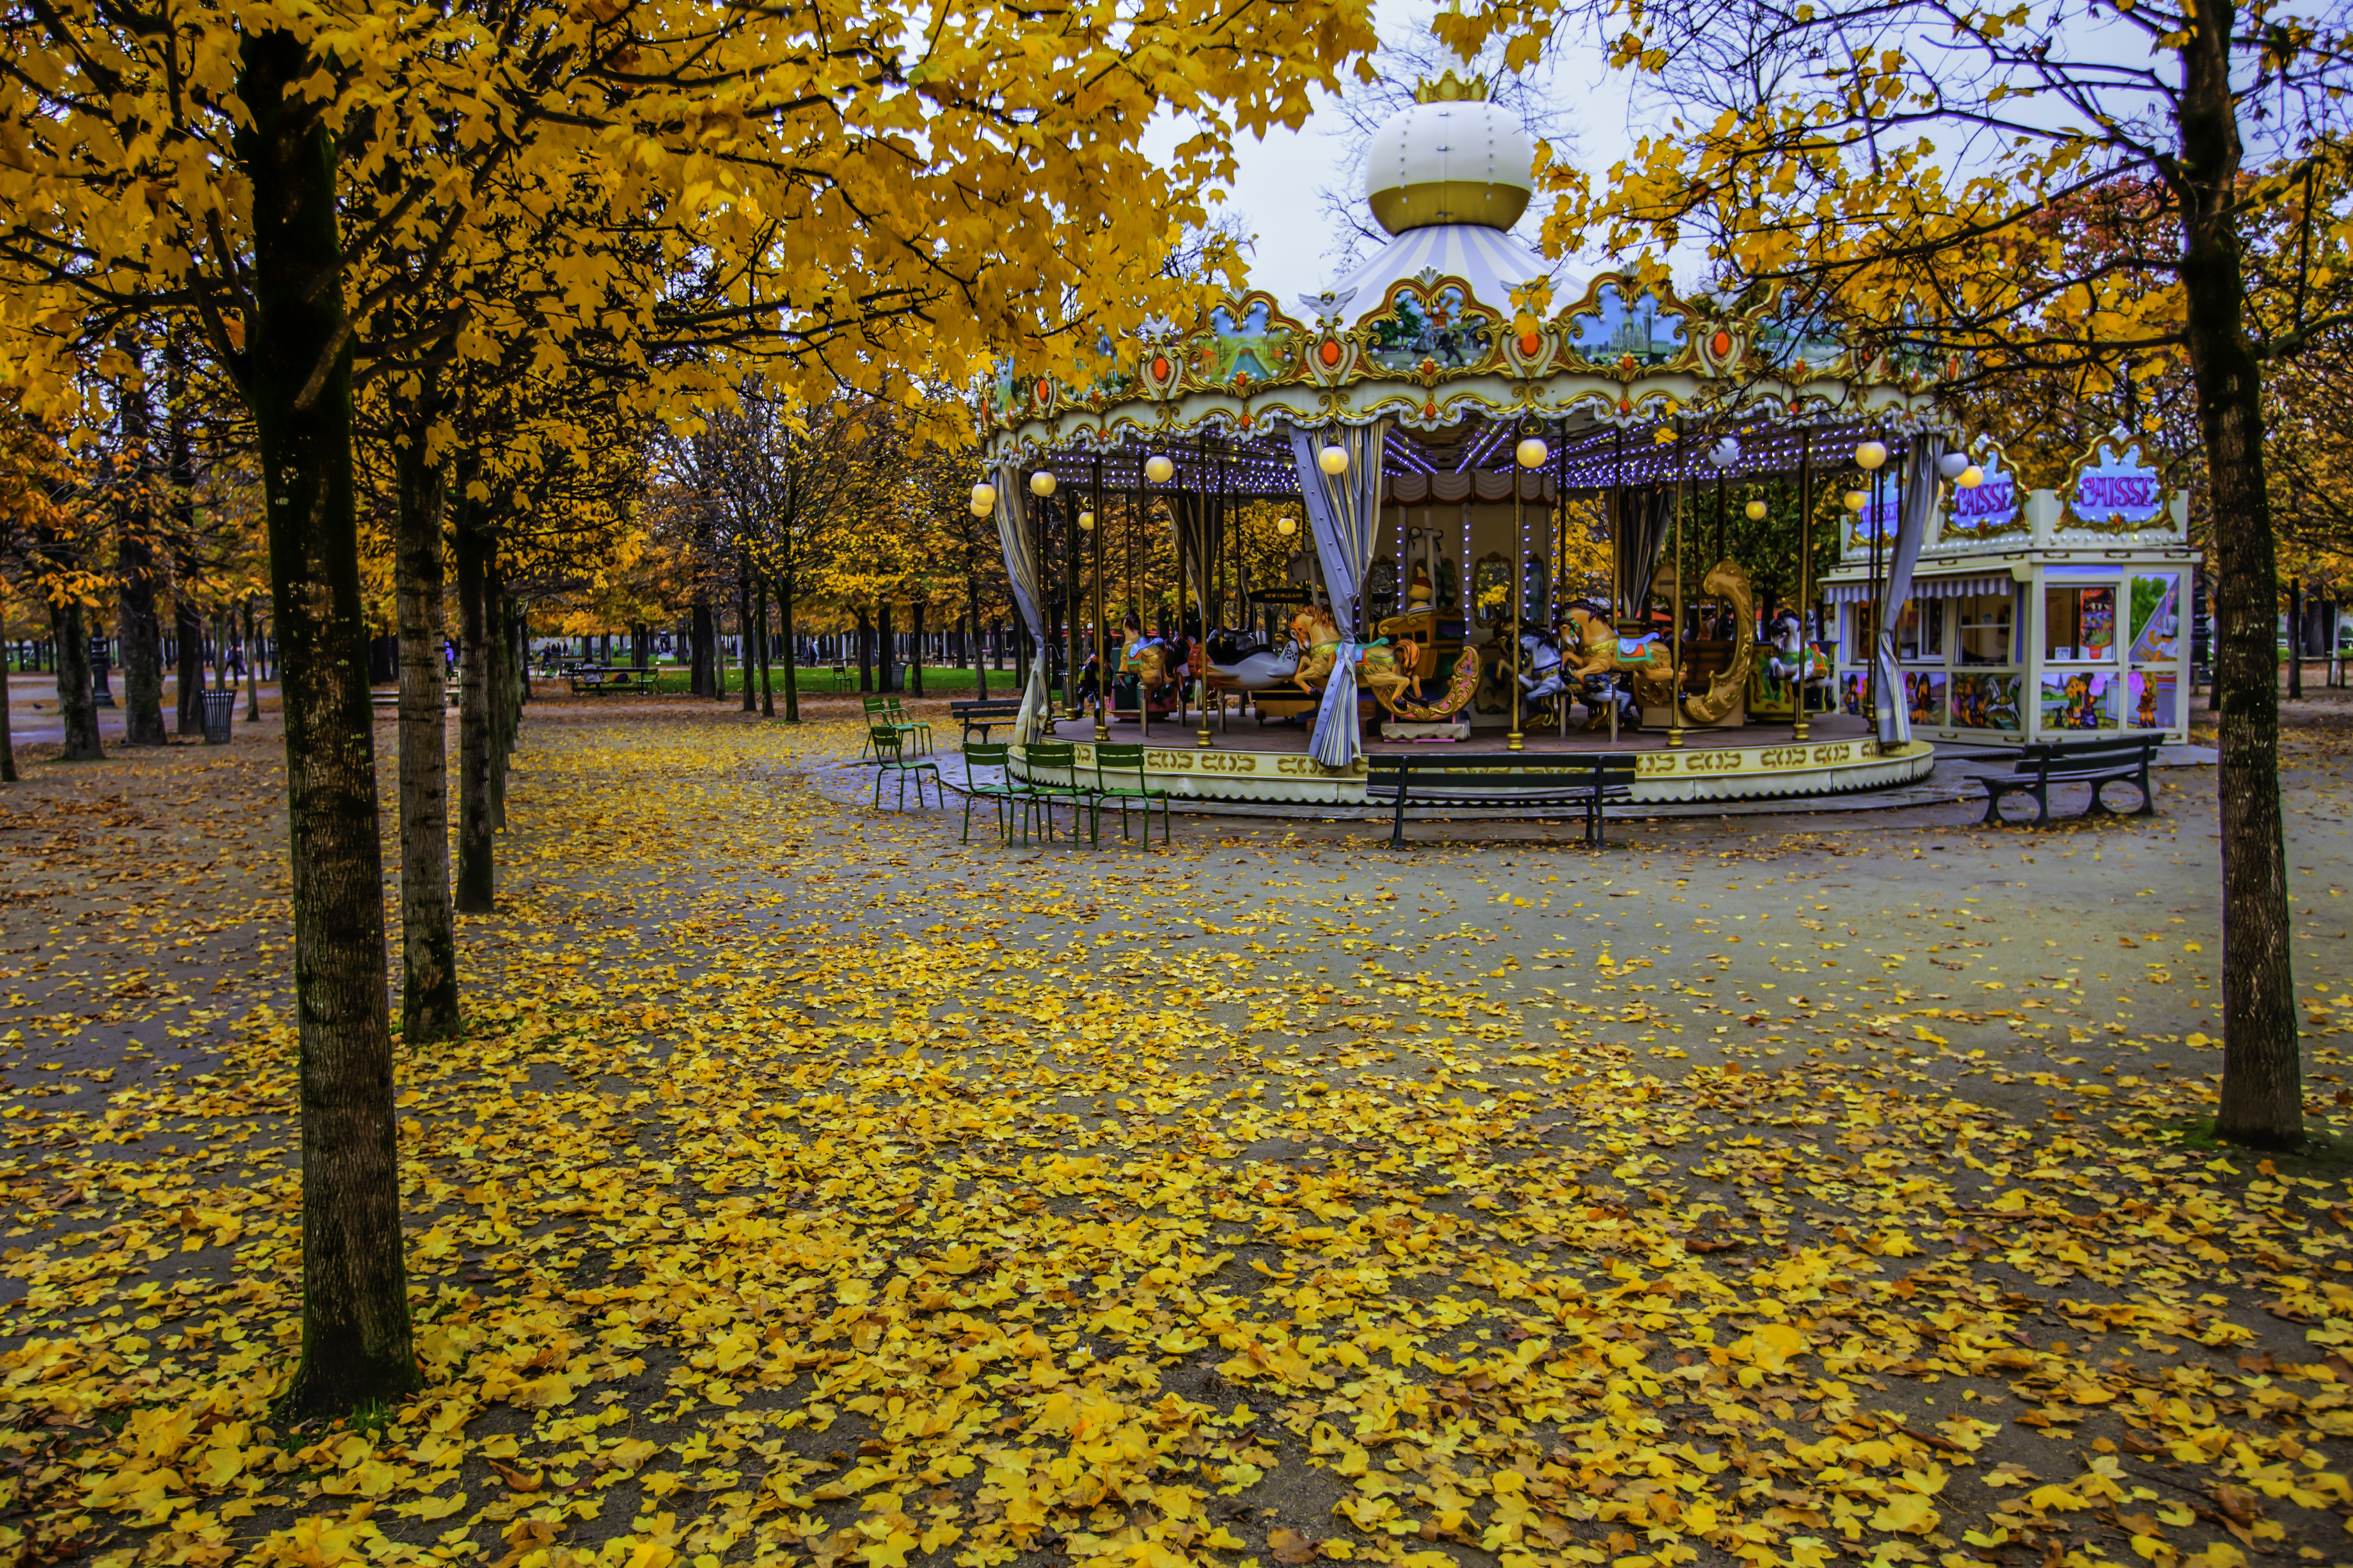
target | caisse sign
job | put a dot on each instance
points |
(2118, 488)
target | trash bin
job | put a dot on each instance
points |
(220, 708)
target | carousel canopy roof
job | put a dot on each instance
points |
(1425, 336)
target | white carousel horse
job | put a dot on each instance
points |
(1552, 678)
(1793, 658)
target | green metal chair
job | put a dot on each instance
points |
(880, 715)
(900, 720)
(1114, 765)
(890, 756)
(1008, 795)
(1046, 758)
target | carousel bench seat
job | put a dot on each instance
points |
(1542, 785)
(2042, 764)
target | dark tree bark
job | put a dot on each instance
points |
(915, 660)
(356, 1346)
(499, 662)
(7, 745)
(792, 647)
(75, 706)
(980, 659)
(865, 651)
(476, 877)
(744, 633)
(886, 652)
(180, 475)
(428, 923)
(699, 681)
(142, 635)
(2263, 1097)
(768, 681)
(253, 667)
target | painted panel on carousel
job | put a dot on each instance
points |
(2115, 490)
(1429, 329)
(2079, 700)
(2156, 617)
(1797, 346)
(1923, 697)
(1627, 333)
(1246, 339)
(1985, 702)
(2152, 699)
(1990, 509)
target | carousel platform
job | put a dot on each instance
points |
(1246, 762)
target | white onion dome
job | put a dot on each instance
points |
(1452, 158)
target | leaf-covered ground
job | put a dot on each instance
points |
(814, 1189)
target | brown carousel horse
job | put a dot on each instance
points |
(1319, 654)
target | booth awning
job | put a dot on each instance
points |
(1922, 588)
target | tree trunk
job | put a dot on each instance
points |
(356, 1348)
(2263, 1097)
(865, 651)
(253, 672)
(705, 648)
(743, 629)
(768, 681)
(429, 924)
(915, 663)
(792, 647)
(498, 667)
(142, 635)
(980, 659)
(75, 707)
(476, 877)
(886, 650)
(8, 744)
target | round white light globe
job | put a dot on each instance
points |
(1332, 460)
(1951, 464)
(1158, 470)
(1530, 453)
(1042, 483)
(1870, 455)
(1086, 523)
(1755, 510)
(984, 496)
(1856, 501)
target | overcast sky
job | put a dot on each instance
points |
(1281, 177)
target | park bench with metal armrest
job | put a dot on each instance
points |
(985, 714)
(2042, 764)
(1536, 784)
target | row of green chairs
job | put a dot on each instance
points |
(1055, 775)
(886, 713)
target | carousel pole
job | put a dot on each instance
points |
(1516, 741)
(1103, 632)
(1617, 537)
(1871, 686)
(1211, 561)
(1675, 628)
(1805, 570)
(1560, 555)
(1176, 522)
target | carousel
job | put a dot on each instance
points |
(1415, 512)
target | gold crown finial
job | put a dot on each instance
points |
(1451, 88)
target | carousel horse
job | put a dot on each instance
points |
(1600, 651)
(1154, 666)
(1793, 658)
(1318, 640)
(1459, 690)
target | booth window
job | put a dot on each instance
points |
(2079, 625)
(1920, 631)
(1985, 629)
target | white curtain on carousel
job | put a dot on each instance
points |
(1345, 516)
(1021, 571)
(1920, 485)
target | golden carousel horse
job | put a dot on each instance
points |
(1318, 637)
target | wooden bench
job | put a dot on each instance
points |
(2042, 764)
(392, 699)
(590, 679)
(985, 714)
(1536, 783)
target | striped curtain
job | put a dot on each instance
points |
(1920, 488)
(1021, 571)
(1345, 516)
